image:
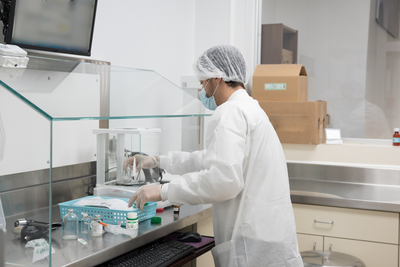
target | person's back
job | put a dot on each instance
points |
(258, 224)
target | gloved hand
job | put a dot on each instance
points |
(146, 161)
(145, 194)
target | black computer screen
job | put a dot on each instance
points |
(64, 26)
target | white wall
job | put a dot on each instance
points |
(211, 24)
(168, 36)
(156, 35)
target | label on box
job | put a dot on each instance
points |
(275, 86)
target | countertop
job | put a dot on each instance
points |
(98, 249)
(102, 249)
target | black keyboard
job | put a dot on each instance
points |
(160, 253)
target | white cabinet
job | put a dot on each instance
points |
(310, 242)
(371, 236)
(371, 253)
(367, 225)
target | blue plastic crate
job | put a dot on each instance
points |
(108, 215)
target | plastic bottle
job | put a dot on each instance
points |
(396, 137)
(132, 221)
(85, 223)
(176, 212)
(176, 209)
(97, 228)
(70, 225)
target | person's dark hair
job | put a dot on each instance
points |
(235, 84)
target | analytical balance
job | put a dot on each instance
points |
(114, 146)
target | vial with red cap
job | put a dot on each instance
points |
(396, 137)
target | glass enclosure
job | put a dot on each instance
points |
(351, 57)
(51, 114)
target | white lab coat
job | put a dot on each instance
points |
(243, 173)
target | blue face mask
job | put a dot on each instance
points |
(208, 102)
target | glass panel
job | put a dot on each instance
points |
(70, 90)
(145, 93)
(47, 116)
(351, 60)
(24, 149)
(22, 130)
(177, 134)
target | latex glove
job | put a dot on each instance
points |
(145, 194)
(146, 161)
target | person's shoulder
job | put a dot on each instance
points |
(232, 107)
(228, 109)
(239, 100)
(245, 104)
(247, 109)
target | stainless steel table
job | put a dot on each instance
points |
(346, 195)
(367, 187)
(98, 249)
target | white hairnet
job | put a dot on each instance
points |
(222, 61)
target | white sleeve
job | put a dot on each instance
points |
(178, 162)
(222, 178)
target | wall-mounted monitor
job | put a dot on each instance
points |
(58, 26)
(387, 15)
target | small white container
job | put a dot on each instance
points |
(97, 228)
(132, 221)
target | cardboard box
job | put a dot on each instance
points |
(280, 82)
(297, 122)
(287, 56)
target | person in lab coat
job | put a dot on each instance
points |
(242, 171)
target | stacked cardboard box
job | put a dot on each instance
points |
(287, 56)
(281, 90)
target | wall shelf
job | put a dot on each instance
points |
(277, 41)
